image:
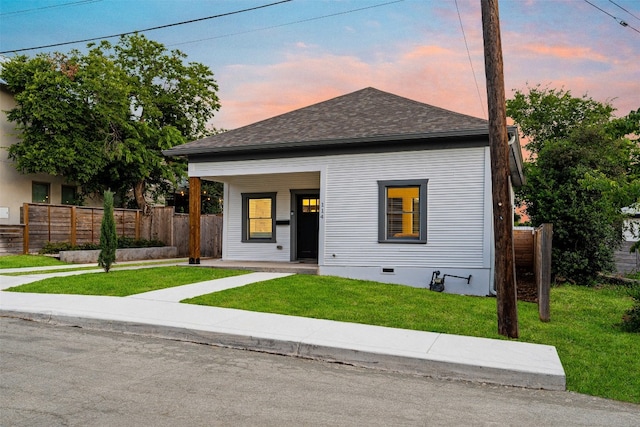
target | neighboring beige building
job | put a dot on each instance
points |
(17, 188)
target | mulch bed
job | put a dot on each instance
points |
(526, 286)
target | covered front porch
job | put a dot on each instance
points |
(269, 215)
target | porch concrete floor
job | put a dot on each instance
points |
(268, 266)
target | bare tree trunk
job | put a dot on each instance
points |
(138, 194)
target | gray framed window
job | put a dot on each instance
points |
(68, 195)
(402, 211)
(259, 217)
(40, 192)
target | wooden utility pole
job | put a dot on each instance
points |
(499, 146)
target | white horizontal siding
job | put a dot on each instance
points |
(456, 235)
(234, 249)
(455, 209)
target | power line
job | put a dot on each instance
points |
(618, 20)
(35, 9)
(470, 62)
(287, 23)
(624, 9)
(149, 29)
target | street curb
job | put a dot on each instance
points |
(308, 349)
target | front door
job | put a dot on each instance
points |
(307, 223)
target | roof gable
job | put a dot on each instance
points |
(365, 114)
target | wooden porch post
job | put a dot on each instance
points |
(194, 220)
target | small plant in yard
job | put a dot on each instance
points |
(631, 318)
(108, 236)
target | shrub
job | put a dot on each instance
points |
(631, 318)
(108, 236)
(123, 243)
(130, 242)
(56, 247)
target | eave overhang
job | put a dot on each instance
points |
(370, 144)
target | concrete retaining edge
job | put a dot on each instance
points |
(128, 254)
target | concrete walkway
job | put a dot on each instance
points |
(160, 314)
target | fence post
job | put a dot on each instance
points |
(25, 231)
(137, 225)
(73, 225)
(49, 223)
(543, 244)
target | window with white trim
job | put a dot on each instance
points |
(259, 217)
(402, 211)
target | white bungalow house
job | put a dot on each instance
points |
(369, 185)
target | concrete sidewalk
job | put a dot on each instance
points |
(160, 314)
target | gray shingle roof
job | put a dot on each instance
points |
(362, 115)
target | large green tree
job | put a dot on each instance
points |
(543, 114)
(583, 169)
(102, 118)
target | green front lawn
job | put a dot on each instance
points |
(21, 261)
(125, 282)
(599, 359)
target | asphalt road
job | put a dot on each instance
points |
(53, 375)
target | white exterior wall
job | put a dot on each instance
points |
(15, 187)
(233, 248)
(631, 230)
(458, 219)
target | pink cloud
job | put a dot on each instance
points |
(429, 74)
(435, 74)
(424, 51)
(564, 52)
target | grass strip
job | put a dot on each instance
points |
(21, 261)
(115, 266)
(125, 282)
(599, 359)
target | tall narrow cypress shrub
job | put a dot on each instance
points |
(108, 236)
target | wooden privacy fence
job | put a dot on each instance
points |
(210, 235)
(79, 225)
(532, 247)
(11, 239)
(74, 224)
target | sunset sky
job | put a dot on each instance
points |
(278, 58)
